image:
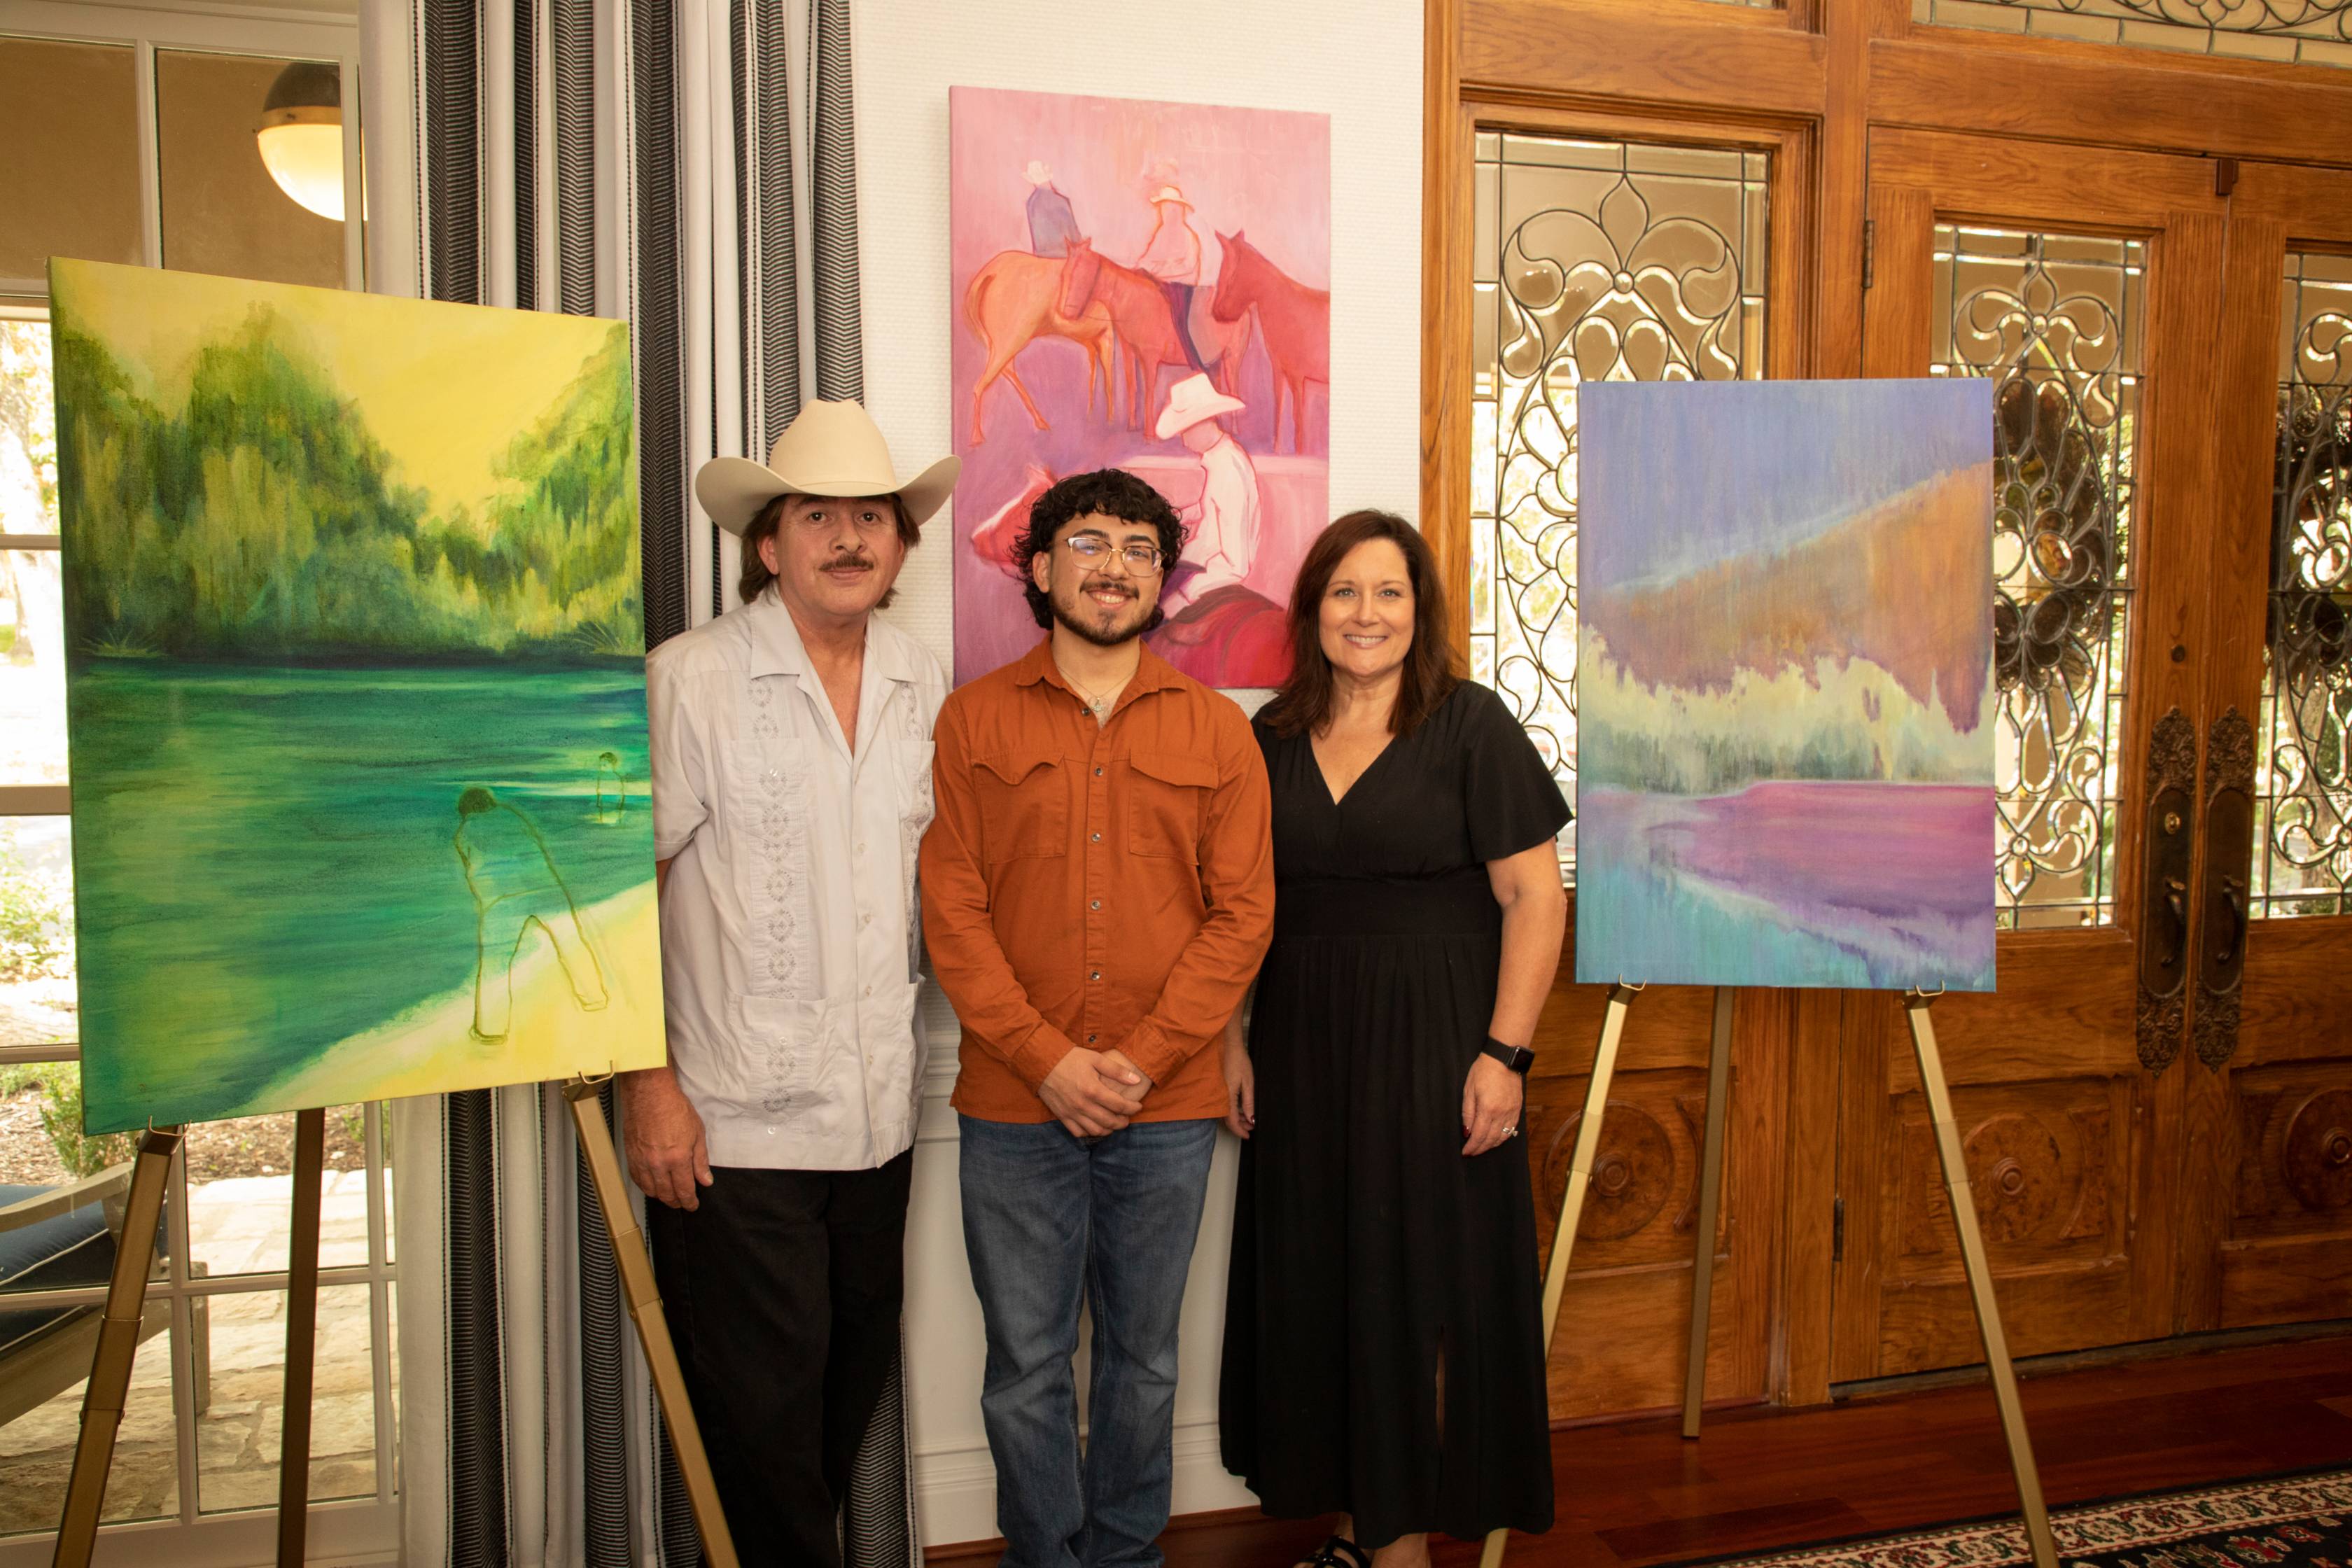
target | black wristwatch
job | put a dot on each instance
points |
(1519, 1059)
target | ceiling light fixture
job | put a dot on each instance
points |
(301, 135)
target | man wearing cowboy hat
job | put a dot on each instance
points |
(792, 753)
(1220, 528)
(1172, 255)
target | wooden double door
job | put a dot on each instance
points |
(2156, 1104)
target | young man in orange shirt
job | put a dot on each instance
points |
(1097, 890)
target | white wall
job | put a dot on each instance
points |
(1357, 60)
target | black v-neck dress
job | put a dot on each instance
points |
(1372, 1264)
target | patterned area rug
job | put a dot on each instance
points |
(2287, 1521)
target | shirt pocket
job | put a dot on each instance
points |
(785, 1044)
(1166, 801)
(1024, 807)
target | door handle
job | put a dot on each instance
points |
(2229, 861)
(2171, 843)
(2233, 894)
(2176, 898)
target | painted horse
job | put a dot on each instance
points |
(1139, 317)
(1293, 321)
(1009, 304)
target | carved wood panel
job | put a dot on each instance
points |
(2046, 1167)
(2295, 1152)
(1625, 1313)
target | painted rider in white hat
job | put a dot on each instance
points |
(1172, 255)
(792, 756)
(1222, 526)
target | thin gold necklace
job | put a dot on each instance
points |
(1099, 705)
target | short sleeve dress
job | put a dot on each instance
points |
(1373, 1266)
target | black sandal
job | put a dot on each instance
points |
(1338, 1552)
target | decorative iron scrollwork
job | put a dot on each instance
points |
(2326, 21)
(2054, 330)
(2307, 847)
(1628, 282)
(2164, 906)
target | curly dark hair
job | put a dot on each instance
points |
(1112, 492)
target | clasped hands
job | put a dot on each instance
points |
(1092, 1093)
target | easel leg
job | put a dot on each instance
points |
(1710, 1195)
(118, 1347)
(652, 1329)
(302, 1338)
(1980, 1269)
(1580, 1177)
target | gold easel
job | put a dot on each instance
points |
(104, 1397)
(117, 1346)
(1955, 1183)
(638, 1290)
(126, 1296)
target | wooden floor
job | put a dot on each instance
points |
(1632, 1493)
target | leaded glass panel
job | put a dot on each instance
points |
(2056, 320)
(1595, 261)
(2303, 850)
(2308, 32)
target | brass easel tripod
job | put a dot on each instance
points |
(1955, 1183)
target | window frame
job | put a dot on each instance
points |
(353, 1530)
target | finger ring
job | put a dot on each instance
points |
(1510, 1133)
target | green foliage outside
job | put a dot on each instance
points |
(61, 1119)
(60, 1109)
(263, 518)
(36, 934)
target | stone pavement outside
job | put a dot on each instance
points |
(237, 1225)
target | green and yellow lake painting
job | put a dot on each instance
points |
(355, 695)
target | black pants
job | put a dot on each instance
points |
(782, 1293)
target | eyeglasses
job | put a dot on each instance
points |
(1093, 550)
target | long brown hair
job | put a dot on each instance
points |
(1431, 668)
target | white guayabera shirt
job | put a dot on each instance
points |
(790, 936)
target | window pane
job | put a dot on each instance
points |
(2056, 321)
(242, 1388)
(36, 931)
(69, 171)
(2303, 854)
(41, 1389)
(221, 211)
(1597, 260)
(2310, 32)
(241, 1193)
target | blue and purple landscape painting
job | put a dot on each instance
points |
(1785, 697)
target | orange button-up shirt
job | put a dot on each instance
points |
(1106, 885)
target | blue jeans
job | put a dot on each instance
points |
(1046, 1215)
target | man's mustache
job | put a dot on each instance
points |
(1097, 585)
(850, 558)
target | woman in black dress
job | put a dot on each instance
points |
(1383, 1348)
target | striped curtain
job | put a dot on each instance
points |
(645, 159)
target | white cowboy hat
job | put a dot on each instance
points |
(1037, 173)
(832, 449)
(1169, 193)
(1190, 401)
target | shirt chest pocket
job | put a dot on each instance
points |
(1167, 803)
(1024, 806)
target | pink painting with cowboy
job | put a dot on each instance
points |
(1142, 286)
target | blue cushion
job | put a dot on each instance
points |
(67, 1251)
